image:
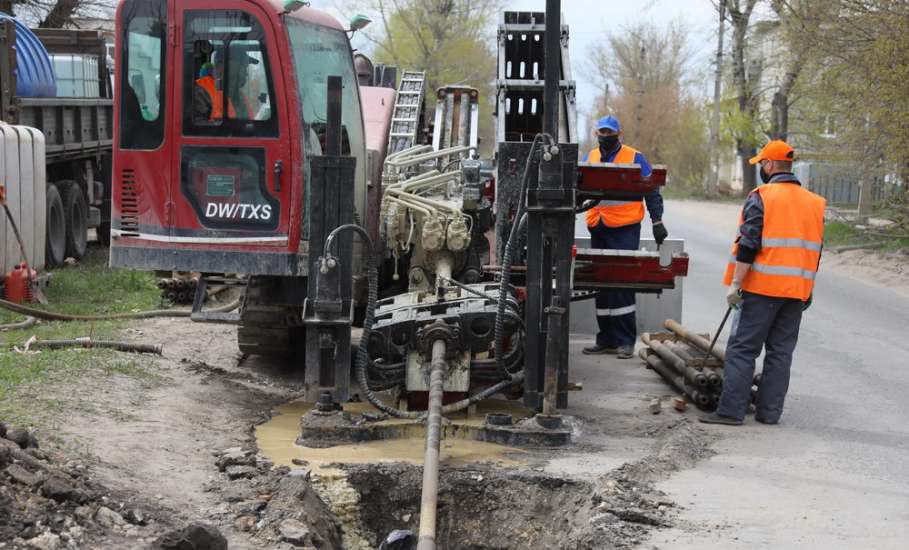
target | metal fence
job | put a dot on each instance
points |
(839, 183)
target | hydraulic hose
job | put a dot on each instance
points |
(505, 280)
(52, 316)
(363, 362)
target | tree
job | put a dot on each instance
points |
(792, 16)
(452, 40)
(860, 80)
(745, 79)
(51, 14)
(645, 70)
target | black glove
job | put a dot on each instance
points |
(659, 232)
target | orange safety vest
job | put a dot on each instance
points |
(616, 213)
(207, 83)
(791, 242)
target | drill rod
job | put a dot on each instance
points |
(430, 497)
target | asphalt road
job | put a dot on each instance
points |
(835, 473)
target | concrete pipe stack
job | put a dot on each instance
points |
(681, 358)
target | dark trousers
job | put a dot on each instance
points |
(761, 322)
(615, 308)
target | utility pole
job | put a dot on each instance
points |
(639, 107)
(6, 6)
(713, 180)
(606, 99)
(866, 180)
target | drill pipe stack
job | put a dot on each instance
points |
(177, 290)
(680, 358)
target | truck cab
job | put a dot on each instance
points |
(219, 106)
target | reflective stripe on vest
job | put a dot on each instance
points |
(791, 243)
(615, 213)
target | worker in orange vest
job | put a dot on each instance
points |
(208, 100)
(770, 276)
(616, 225)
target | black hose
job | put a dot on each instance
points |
(505, 280)
(363, 348)
(51, 316)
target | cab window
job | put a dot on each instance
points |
(228, 89)
(320, 52)
(142, 79)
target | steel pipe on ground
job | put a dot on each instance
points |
(674, 379)
(128, 347)
(696, 339)
(430, 496)
(691, 374)
(714, 378)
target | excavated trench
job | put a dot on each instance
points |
(490, 498)
(481, 509)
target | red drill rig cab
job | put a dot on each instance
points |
(220, 108)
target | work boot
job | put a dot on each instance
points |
(597, 349)
(714, 418)
(626, 352)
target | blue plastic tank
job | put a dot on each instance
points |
(34, 71)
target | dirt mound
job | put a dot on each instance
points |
(49, 504)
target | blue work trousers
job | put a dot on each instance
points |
(761, 322)
(616, 308)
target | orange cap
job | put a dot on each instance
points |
(775, 150)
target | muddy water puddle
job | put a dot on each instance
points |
(277, 442)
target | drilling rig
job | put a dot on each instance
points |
(274, 146)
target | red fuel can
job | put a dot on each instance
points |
(16, 287)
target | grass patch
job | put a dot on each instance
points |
(91, 288)
(838, 233)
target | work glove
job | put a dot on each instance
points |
(659, 232)
(734, 296)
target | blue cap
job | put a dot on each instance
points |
(609, 122)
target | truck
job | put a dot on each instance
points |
(73, 111)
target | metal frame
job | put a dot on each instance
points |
(328, 310)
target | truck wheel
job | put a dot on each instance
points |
(55, 245)
(76, 221)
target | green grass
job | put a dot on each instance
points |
(91, 288)
(837, 233)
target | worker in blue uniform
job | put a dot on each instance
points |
(616, 225)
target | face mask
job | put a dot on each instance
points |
(608, 142)
(765, 177)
